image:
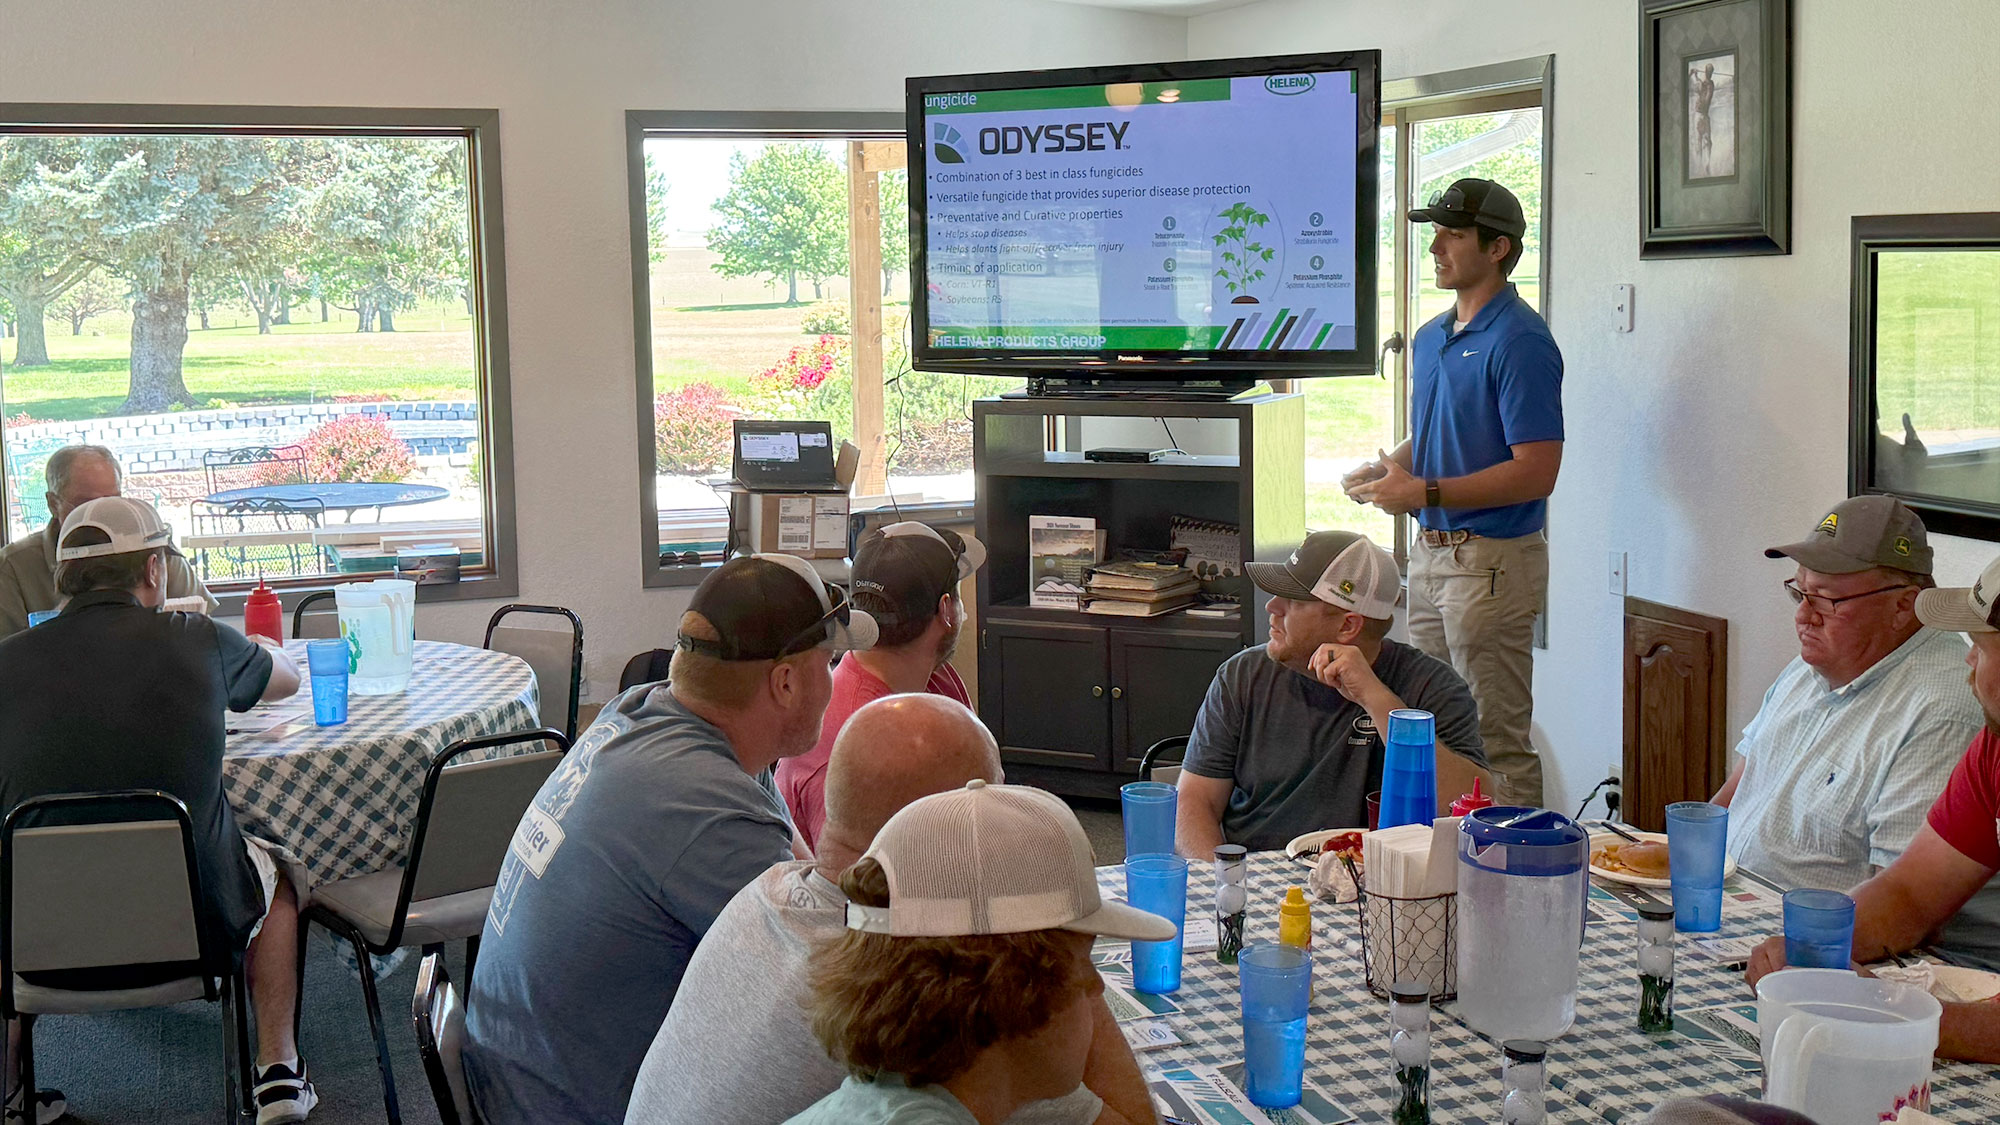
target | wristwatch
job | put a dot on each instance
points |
(1431, 499)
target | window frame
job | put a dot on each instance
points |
(480, 128)
(641, 125)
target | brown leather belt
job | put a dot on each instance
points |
(1445, 538)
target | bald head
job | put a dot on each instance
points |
(895, 750)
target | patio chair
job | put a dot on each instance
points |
(112, 885)
(314, 618)
(465, 818)
(256, 536)
(225, 469)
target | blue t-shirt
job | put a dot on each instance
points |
(631, 849)
(1476, 392)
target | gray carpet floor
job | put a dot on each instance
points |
(164, 1065)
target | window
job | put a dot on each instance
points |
(1486, 123)
(284, 323)
(751, 234)
(1926, 367)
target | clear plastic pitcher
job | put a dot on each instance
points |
(1523, 875)
(1845, 1049)
(378, 622)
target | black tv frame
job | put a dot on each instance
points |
(1110, 369)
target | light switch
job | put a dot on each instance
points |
(1621, 307)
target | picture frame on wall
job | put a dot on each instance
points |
(1715, 138)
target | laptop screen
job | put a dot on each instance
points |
(783, 454)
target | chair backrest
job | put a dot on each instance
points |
(439, 1013)
(468, 813)
(91, 895)
(646, 668)
(1162, 759)
(554, 650)
(314, 618)
(225, 469)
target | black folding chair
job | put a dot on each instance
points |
(438, 1010)
(94, 882)
(314, 619)
(556, 655)
(465, 819)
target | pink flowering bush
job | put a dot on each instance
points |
(812, 381)
(353, 447)
(691, 429)
(22, 419)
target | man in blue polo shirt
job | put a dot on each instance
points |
(1487, 434)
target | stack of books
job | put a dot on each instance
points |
(1138, 589)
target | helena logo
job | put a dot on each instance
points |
(946, 144)
(1289, 84)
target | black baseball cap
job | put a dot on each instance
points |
(902, 569)
(770, 606)
(1473, 202)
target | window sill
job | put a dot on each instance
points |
(485, 587)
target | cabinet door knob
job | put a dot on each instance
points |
(1118, 693)
(1096, 691)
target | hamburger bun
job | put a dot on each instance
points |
(1646, 859)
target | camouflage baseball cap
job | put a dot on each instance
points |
(1859, 533)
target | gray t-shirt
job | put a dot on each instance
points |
(885, 1101)
(736, 1045)
(630, 851)
(1302, 757)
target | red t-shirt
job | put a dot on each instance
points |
(1967, 816)
(802, 780)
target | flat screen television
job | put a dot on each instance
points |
(1170, 223)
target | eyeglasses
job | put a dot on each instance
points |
(842, 612)
(1824, 604)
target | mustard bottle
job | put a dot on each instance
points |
(1295, 925)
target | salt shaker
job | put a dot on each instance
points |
(1523, 1076)
(1410, 1047)
(1656, 968)
(1232, 900)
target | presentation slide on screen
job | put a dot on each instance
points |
(1203, 215)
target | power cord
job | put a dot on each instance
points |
(1610, 799)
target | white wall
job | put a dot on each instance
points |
(562, 73)
(1719, 426)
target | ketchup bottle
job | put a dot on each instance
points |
(1471, 802)
(262, 615)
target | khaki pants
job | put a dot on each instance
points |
(1475, 605)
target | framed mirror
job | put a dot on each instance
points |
(1924, 414)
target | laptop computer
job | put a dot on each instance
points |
(784, 457)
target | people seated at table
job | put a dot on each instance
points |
(74, 474)
(906, 576)
(968, 991)
(1955, 853)
(114, 694)
(659, 815)
(1858, 735)
(1289, 738)
(736, 1045)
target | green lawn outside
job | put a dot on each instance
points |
(1938, 341)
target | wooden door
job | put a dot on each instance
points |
(1047, 696)
(1158, 679)
(1676, 729)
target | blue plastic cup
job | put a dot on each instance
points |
(1277, 987)
(326, 666)
(1409, 769)
(1819, 930)
(41, 615)
(1697, 833)
(1157, 884)
(1149, 817)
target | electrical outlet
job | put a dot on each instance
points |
(1617, 574)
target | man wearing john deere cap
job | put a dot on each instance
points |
(1486, 442)
(1289, 737)
(1859, 733)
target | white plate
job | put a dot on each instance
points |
(1599, 839)
(1307, 847)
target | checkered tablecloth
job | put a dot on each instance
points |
(340, 800)
(1603, 1069)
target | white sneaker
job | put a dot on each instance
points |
(283, 1096)
(50, 1105)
